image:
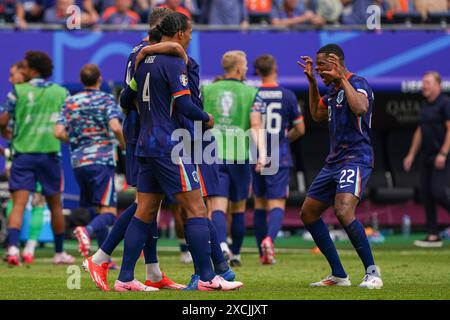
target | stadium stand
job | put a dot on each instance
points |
(388, 184)
(259, 12)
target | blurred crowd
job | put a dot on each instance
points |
(216, 12)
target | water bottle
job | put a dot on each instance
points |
(406, 225)
(172, 228)
(375, 223)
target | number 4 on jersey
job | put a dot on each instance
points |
(146, 90)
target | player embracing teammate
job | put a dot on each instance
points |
(162, 91)
(97, 265)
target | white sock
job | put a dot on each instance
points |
(224, 247)
(236, 257)
(153, 272)
(100, 257)
(13, 251)
(30, 246)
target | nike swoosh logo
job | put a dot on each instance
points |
(345, 186)
(215, 288)
(126, 287)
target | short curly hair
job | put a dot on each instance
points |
(41, 62)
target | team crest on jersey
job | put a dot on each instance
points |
(195, 176)
(227, 102)
(340, 97)
(137, 48)
(30, 99)
(184, 80)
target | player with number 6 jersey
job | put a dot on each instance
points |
(347, 106)
(284, 123)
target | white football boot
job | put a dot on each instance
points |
(371, 282)
(332, 281)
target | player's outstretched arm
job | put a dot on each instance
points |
(167, 47)
(318, 111)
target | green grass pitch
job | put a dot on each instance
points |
(408, 273)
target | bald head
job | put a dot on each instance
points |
(90, 75)
(234, 64)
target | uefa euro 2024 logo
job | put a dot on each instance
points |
(227, 101)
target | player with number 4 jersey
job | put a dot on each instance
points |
(348, 106)
(161, 86)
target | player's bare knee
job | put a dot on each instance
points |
(153, 215)
(19, 205)
(145, 216)
(238, 206)
(302, 215)
(20, 201)
(276, 203)
(259, 203)
(307, 216)
(344, 212)
(194, 209)
(54, 202)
